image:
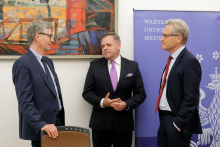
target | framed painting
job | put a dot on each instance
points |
(77, 26)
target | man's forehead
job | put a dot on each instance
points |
(166, 31)
(106, 42)
(168, 27)
(109, 39)
(48, 30)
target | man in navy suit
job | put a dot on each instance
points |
(109, 84)
(37, 87)
(178, 99)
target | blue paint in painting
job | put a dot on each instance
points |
(99, 34)
(83, 43)
(88, 39)
(95, 41)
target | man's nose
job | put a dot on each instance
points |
(104, 47)
(51, 39)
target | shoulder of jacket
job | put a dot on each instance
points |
(130, 61)
(97, 60)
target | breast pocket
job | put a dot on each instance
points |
(128, 82)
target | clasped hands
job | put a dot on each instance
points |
(117, 104)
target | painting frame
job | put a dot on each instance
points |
(11, 57)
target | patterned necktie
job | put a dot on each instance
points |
(163, 84)
(48, 73)
(50, 79)
(113, 75)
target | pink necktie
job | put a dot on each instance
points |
(113, 75)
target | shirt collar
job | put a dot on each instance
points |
(177, 52)
(36, 54)
(117, 60)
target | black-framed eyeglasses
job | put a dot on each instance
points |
(167, 35)
(49, 35)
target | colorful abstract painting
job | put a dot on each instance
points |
(78, 24)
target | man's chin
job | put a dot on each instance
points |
(106, 56)
(164, 48)
(46, 49)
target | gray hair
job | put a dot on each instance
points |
(179, 28)
(115, 36)
(35, 27)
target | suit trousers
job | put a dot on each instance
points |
(59, 122)
(168, 135)
(111, 137)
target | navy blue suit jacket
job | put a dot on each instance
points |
(37, 102)
(183, 85)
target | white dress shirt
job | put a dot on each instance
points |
(39, 57)
(163, 105)
(118, 69)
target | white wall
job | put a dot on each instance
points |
(72, 72)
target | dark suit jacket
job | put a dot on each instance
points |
(37, 102)
(183, 87)
(98, 84)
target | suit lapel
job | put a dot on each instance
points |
(39, 68)
(104, 65)
(123, 72)
(178, 60)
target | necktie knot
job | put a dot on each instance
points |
(113, 63)
(170, 57)
(43, 59)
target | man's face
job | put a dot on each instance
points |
(110, 48)
(169, 42)
(45, 40)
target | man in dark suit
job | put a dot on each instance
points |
(178, 99)
(37, 87)
(109, 84)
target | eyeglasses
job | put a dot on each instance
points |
(167, 35)
(49, 35)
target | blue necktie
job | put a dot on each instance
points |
(48, 73)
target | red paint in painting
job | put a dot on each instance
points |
(17, 48)
(75, 16)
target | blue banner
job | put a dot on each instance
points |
(204, 43)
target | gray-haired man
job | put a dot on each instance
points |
(178, 99)
(37, 87)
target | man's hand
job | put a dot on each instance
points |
(176, 127)
(119, 106)
(107, 102)
(51, 130)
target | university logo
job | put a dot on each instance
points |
(210, 115)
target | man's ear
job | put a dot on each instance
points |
(180, 38)
(119, 45)
(37, 37)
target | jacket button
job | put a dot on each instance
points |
(54, 110)
(54, 97)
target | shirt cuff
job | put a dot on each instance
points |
(101, 103)
(176, 126)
